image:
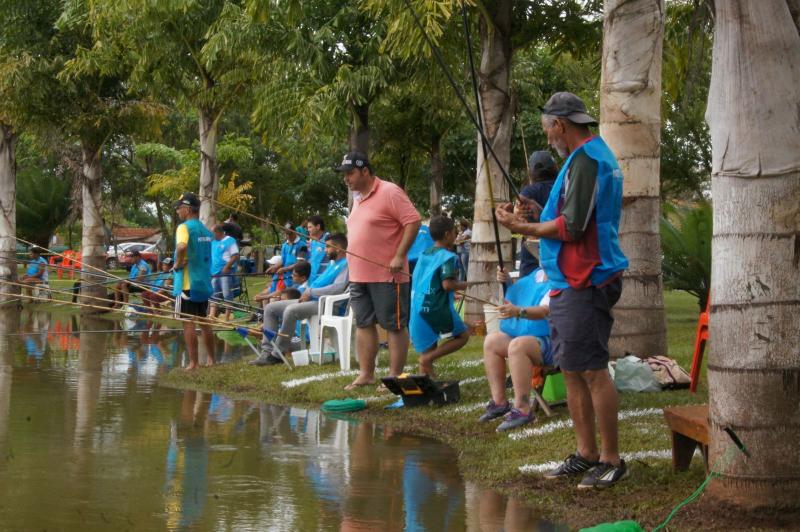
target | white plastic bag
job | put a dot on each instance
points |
(634, 375)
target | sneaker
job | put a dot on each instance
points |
(573, 464)
(515, 419)
(494, 411)
(266, 360)
(604, 475)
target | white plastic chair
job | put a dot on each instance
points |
(343, 325)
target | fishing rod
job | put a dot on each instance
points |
(277, 225)
(440, 60)
(102, 331)
(85, 265)
(155, 312)
(243, 330)
(53, 267)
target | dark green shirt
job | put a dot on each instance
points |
(580, 187)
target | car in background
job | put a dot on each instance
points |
(121, 259)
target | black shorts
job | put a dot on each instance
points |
(134, 289)
(192, 308)
(580, 325)
(382, 303)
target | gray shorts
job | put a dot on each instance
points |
(580, 325)
(379, 303)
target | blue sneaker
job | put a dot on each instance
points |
(514, 419)
(494, 411)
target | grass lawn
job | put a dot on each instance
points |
(509, 461)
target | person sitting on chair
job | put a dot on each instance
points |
(523, 339)
(139, 271)
(332, 281)
(36, 272)
(160, 287)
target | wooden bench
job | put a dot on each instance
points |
(689, 426)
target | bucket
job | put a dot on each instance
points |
(554, 388)
(492, 317)
(300, 358)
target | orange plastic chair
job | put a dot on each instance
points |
(700, 339)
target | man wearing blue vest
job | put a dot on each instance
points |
(581, 255)
(332, 281)
(192, 285)
(36, 271)
(224, 258)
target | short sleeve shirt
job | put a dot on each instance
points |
(375, 229)
(182, 236)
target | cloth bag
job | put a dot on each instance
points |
(668, 373)
(632, 374)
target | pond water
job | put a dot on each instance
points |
(88, 441)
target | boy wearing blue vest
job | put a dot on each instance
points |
(581, 254)
(288, 313)
(433, 315)
(524, 340)
(192, 284)
(292, 249)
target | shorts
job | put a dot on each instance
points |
(546, 349)
(382, 303)
(183, 305)
(134, 288)
(580, 325)
(155, 297)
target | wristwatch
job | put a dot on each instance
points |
(523, 313)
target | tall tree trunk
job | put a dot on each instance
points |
(436, 184)
(209, 183)
(93, 234)
(630, 122)
(8, 212)
(91, 354)
(754, 359)
(497, 107)
(359, 130)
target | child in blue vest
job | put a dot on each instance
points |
(36, 271)
(433, 316)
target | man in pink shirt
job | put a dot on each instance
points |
(381, 227)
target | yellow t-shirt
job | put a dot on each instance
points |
(182, 236)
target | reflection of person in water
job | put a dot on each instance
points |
(34, 334)
(422, 482)
(487, 511)
(186, 480)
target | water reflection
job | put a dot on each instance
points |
(87, 435)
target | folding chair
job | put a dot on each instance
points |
(545, 372)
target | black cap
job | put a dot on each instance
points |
(542, 162)
(166, 260)
(354, 159)
(567, 105)
(187, 198)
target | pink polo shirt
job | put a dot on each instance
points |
(374, 231)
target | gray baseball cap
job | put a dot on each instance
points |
(567, 105)
(542, 162)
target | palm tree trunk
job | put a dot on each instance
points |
(359, 130)
(630, 122)
(754, 359)
(93, 234)
(437, 177)
(209, 183)
(9, 325)
(497, 108)
(8, 212)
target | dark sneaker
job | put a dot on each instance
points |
(515, 419)
(573, 464)
(494, 411)
(604, 475)
(266, 360)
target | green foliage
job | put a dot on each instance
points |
(43, 195)
(686, 243)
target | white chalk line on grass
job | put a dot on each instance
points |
(470, 380)
(638, 455)
(567, 423)
(321, 377)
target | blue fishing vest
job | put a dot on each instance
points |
(329, 275)
(33, 268)
(218, 249)
(526, 292)
(289, 257)
(608, 208)
(316, 256)
(422, 334)
(199, 263)
(421, 242)
(139, 266)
